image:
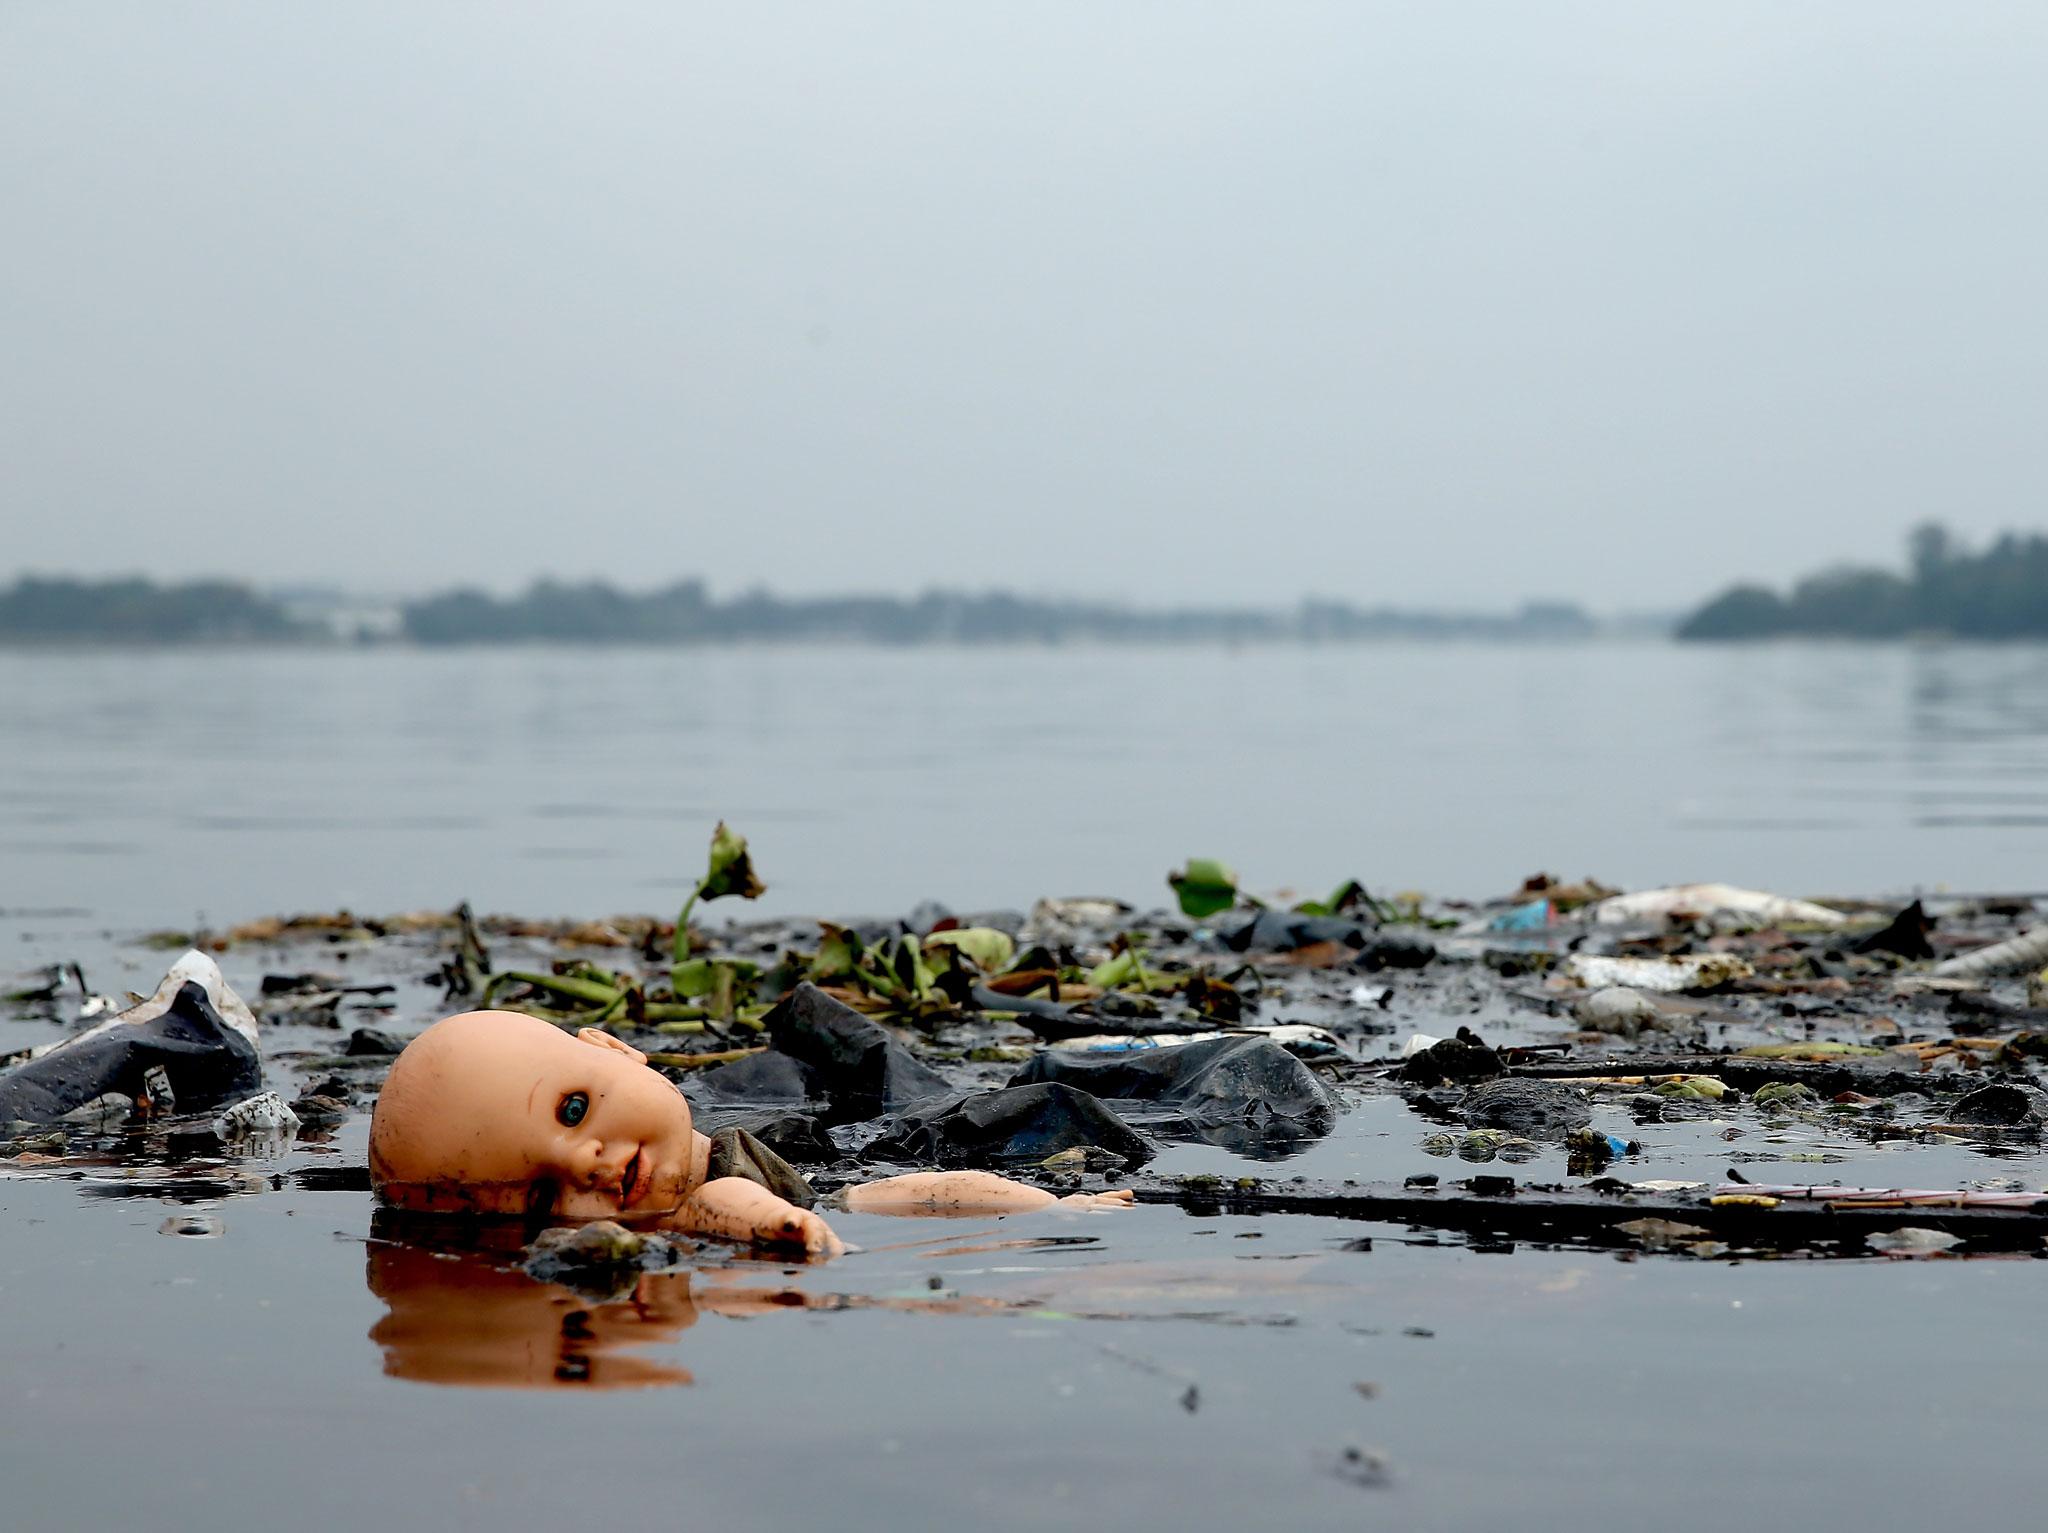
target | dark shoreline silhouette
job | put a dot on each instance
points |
(36, 610)
(1948, 592)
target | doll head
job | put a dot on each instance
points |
(497, 1112)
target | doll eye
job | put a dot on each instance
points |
(573, 1108)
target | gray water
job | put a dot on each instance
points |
(1141, 1369)
(181, 788)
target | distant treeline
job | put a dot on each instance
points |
(684, 613)
(137, 610)
(2000, 593)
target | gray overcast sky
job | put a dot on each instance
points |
(1423, 303)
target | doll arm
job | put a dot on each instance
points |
(965, 1192)
(732, 1208)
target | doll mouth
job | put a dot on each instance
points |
(628, 1179)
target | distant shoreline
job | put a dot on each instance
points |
(45, 611)
(1994, 596)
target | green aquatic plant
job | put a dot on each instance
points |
(991, 950)
(1347, 897)
(730, 871)
(1204, 887)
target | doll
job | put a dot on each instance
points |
(496, 1112)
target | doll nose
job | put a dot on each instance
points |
(611, 1170)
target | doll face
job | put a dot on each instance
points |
(615, 1136)
(501, 1113)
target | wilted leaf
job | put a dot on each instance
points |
(1820, 1050)
(731, 870)
(990, 949)
(1346, 897)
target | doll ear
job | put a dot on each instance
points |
(599, 1038)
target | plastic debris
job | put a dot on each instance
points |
(103, 1111)
(1019, 1123)
(1905, 935)
(194, 1030)
(1064, 920)
(1914, 1240)
(1711, 901)
(767, 1077)
(1617, 1010)
(1531, 917)
(1538, 1109)
(2016, 956)
(193, 1226)
(1417, 1042)
(264, 1114)
(1462, 1058)
(1298, 1038)
(2002, 1104)
(1696, 971)
(1598, 1145)
(1396, 950)
(1230, 1079)
(1082, 1158)
(1887, 1197)
(862, 1067)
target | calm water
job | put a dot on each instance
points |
(152, 790)
(1144, 1369)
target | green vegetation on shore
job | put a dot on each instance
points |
(2000, 593)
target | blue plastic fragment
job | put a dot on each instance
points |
(1531, 917)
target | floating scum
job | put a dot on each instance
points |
(1056, 1053)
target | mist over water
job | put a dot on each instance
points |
(164, 789)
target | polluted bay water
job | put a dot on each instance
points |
(243, 1339)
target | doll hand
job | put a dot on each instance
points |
(815, 1236)
(801, 1231)
(1122, 1197)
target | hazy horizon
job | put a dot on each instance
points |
(1399, 305)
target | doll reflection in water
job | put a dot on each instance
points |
(466, 1318)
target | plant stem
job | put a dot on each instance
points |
(680, 950)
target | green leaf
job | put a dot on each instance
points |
(907, 967)
(1204, 887)
(990, 949)
(840, 954)
(576, 988)
(703, 976)
(1119, 969)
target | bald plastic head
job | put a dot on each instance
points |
(473, 1119)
